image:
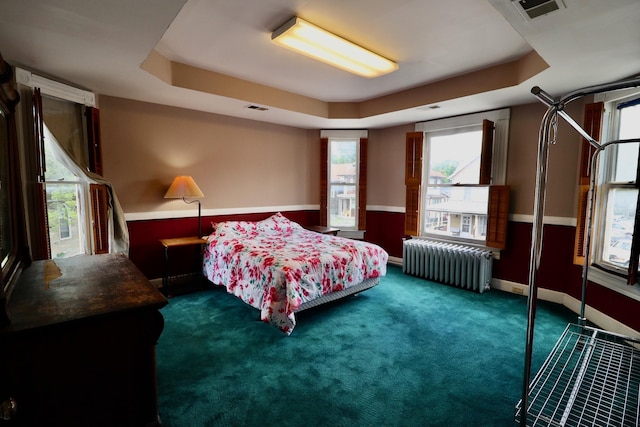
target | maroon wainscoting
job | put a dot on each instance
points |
(621, 308)
(386, 229)
(557, 271)
(147, 253)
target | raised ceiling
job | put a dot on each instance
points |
(216, 56)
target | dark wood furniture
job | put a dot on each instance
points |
(174, 243)
(80, 348)
(323, 230)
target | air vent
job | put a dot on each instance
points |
(531, 9)
(256, 107)
(428, 107)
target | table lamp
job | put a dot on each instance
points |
(184, 187)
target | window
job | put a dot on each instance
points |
(66, 193)
(618, 192)
(453, 203)
(343, 174)
(74, 209)
(343, 181)
(452, 166)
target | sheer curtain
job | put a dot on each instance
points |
(118, 232)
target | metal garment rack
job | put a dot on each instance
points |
(590, 371)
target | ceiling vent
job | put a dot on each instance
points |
(531, 9)
(256, 107)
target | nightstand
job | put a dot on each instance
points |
(323, 230)
(174, 243)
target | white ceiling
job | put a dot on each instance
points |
(101, 45)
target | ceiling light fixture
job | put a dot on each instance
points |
(308, 39)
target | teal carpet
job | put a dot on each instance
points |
(406, 353)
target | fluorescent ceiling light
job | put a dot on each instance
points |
(308, 39)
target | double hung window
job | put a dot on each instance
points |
(343, 180)
(66, 193)
(454, 202)
(72, 207)
(343, 183)
(617, 235)
(455, 171)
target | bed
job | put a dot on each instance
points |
(280, 268)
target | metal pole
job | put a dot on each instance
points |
(536, 250)
(556, 108)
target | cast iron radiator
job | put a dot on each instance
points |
(448, 263)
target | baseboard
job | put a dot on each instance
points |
(594, 316)
(395, 261)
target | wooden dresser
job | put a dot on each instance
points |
(80, 349)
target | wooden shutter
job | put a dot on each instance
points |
(41, 247)
(413, 181)
(498, 216)
(580, 245)
(99, 195)
(413, 170)
(487, 152)
(38, 132)
(100, 219)
(592, 124)
(324, 170)
(93, 140)
(362, 186)
(412, 211)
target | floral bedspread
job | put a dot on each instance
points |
(275, 265)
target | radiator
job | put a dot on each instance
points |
(458, 265)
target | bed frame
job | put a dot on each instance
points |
(353, 290)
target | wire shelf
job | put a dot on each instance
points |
(590, 378)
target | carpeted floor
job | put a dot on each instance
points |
(406, 353)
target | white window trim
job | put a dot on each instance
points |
(613, 282)
(500, 118)
(346, 134)
(57, 89)
(609, 127)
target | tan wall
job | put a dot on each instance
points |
(241, 163)
(237, 163)
(562, 173)
(386, 162)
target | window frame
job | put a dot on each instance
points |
(354, 184)
(500, 118)
(96, 237)
(357, 231)
(604, 273)
(499, 154)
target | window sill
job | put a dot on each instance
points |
(352, 234)
(613, 282)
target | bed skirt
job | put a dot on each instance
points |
(362, 286)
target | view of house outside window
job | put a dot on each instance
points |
(455, 205)
(62, 208)
(343, 173)
(66, 193)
